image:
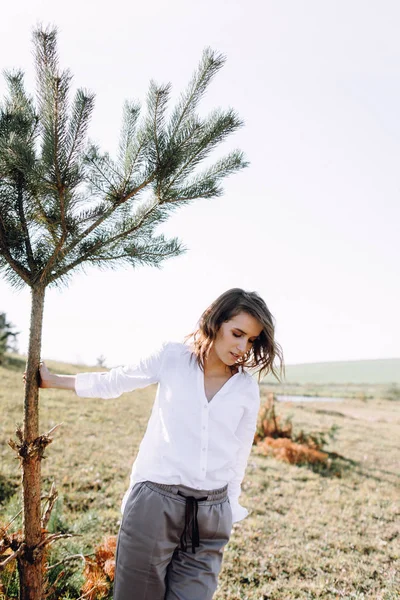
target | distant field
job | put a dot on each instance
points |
(312, 534)
(385, 371)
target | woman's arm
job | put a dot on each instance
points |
(51, 380)
(245, 433)
(107, 384)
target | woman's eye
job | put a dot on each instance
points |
(238, 335)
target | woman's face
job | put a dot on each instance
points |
(235, 337)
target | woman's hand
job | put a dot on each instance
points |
(46, 379)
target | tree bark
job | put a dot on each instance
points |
(30, 563)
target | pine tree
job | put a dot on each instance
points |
(65, 205)
(6, 332)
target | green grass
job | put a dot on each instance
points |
(330, 533)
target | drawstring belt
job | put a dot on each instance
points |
(191, 510)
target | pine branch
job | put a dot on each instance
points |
(205, 184)
(51, 500)
(81, 112)
(29, 253)
(68, 559)
(150, 252)
(53, 109)
(127, 155)
(102, 244)
(12, 556)
(158, 103)
(20, 103)
(106, 214)
(14, 264)
(158, 250)
(214, 130)
(98, 162)
(209, 65)
(54, 256)
(57, 143)
(50, 226)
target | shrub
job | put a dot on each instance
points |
(275, 437)
(393, 392)
(99, 571)
(6, 333)
(269, 424)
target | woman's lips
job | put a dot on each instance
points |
(235, 356)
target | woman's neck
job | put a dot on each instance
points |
(214, 367)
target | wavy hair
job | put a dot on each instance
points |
(265, 349)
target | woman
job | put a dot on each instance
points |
(186, 480)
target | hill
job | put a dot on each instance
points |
(379, 371)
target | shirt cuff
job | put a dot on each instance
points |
(239, 512)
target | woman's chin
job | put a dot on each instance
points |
(232, 360)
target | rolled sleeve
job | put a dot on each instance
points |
(245, 433)
(116, 381)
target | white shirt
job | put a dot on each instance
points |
(188, 440)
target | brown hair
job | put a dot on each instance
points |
(264, 350)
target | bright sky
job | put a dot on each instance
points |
(312, 224)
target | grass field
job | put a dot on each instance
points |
(329, 533)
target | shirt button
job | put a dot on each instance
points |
(203, 449)
(205, 406)
(204, 426)
(203, 469)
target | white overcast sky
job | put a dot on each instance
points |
(312, 224)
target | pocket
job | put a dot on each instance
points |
(230, 508)
(224, 528)
(132, 499)
(230, 514)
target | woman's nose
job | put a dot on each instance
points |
(241, 347)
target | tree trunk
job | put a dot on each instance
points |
(30, 563)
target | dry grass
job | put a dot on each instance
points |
(289, 451)
(99, 571)
(312, 533)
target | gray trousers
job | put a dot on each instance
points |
(159, 555)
